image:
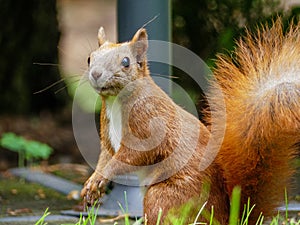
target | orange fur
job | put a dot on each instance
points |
(261, 88)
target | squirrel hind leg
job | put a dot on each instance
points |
(182, 203)
(171, 200)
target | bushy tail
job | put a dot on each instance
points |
(261, 87)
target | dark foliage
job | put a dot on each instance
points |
(29, 34)
(209, 27)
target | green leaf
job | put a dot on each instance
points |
(35, 149)
(31, 149)
(12, 142)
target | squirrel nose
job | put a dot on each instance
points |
(96, 75)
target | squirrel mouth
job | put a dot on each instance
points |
(107, 90)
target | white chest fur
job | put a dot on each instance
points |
(113, 112)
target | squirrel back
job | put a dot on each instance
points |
(261, 88)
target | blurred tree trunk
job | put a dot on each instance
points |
(29, 34)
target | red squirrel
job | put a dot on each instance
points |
(142, 130)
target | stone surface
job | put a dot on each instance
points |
(131, 201)
(34, 219)
(56, 183)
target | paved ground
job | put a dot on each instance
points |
(29, 211)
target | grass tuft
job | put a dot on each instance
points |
(41, 221)
(175, 220)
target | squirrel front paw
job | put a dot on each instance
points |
(93, 189)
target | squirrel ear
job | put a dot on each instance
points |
(101, 36)
(140, 43)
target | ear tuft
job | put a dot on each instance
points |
(101, 36)
(140, 35)
(140, 43)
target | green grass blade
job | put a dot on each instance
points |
(126, 218)
(211, 215)
(126, 201)
(139, 221)
(126, 207)
(260, 219)
(93, 215)
(200, 211)
(42, 219)
(235, 206)
(159, 216)
(286, 205)
(248, 213)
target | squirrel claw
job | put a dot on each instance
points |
(93, 189)
(102, 184)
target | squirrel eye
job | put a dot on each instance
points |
(88, 60)
(125, 62)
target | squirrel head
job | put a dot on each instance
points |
(112, 66)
